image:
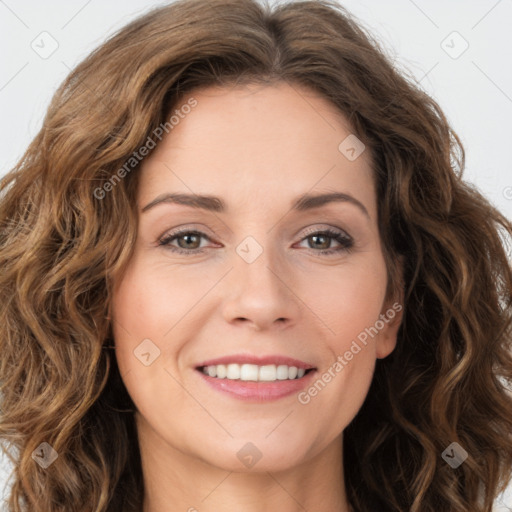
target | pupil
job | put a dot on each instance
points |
(187, 237)
(316, 237)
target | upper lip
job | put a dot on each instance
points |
(258, 360)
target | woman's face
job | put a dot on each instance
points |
(253, 281)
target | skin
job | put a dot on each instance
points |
(257, 148)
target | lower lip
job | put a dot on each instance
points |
(258, 391)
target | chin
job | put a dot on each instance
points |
(243, 455)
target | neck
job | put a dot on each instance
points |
(191, 484)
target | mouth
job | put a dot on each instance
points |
(256, 379)
(254, 373)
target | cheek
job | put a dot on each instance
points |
(148, 303)
(150, 300)
(349, 301)
(343, 380)
(349, 304)
(145, 306)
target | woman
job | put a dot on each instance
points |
(240, 270)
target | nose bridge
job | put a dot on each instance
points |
(258, 289)
(257, 267)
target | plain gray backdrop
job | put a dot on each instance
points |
(460, 52)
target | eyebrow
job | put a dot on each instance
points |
(216, 204)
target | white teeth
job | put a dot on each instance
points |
(249, 372)
(282, 372)
(221, 371)
(268, 372)
(233, 371)
(253, 372)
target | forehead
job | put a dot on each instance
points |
(256, 143)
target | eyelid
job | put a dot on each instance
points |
(317, 229)
(340, 236)
(186, 228)
(180, 232)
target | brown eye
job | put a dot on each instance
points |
(190, 241)
(322, 241)
(187, 241)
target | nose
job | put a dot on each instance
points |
(261, 294)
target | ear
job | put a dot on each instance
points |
(391, 316)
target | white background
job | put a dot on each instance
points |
(474, 89)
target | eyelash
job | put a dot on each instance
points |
(345, 241)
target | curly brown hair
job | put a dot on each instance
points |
(61, 248)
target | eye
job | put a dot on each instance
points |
(187, 241)
(322, 240)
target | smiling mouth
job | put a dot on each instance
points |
(255, 373)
